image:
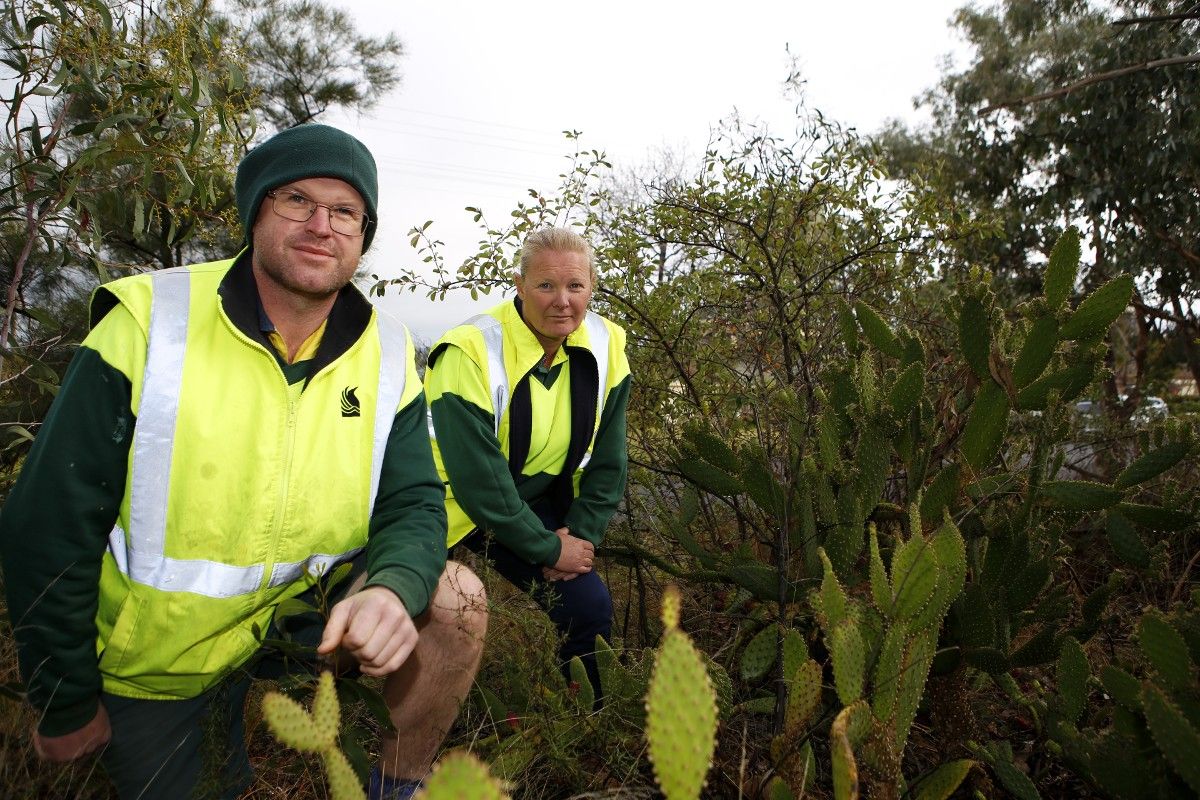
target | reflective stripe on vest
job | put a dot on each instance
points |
(493, 341)
(141, 554)
(598, 337)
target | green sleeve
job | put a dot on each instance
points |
(475, 465)
(406, 549)
(54, 532)
(603, 481)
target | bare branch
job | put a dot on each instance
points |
(1091, 79)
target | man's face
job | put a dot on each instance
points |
(308, 259)
(555, 293)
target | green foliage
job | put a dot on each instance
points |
(115, 121)
(304, 58)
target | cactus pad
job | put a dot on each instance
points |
(1125, 541)
(710, 478)
(1099, 310)
(941, 494)
(804, 696)
(845, 769)
(1173, 734)
(906, 392)
(291, 724)
(914, 577)
(671, 602)
(1072, 676)
(986, 425)
(887, 674)
(951, 554)
(975, 338)
(877, 331)
(1062, 269)
(1152, 464)
(1157, 518)
(795, 652)
(1081, 495)
(585, 693)
(710, 447)
(461, 776)
(1036, 352)
(849, 660)
(830, 601)
(344, 783)
(1121, 687)
(881, 588)
(1069, 382)
(681, 717)
(326, 711)
(942, 782)
(1166, 651)
(759, 655)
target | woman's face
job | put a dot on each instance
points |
(555, 291)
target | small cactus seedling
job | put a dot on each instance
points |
(315, 733)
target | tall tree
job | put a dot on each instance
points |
(1083, 113)
(103, 108)
(306, 57)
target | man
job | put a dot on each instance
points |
(227, 432)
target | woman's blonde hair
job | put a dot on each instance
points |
(556, 240)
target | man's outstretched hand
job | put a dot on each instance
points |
(373, 626)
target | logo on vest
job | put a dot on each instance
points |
(350, 404)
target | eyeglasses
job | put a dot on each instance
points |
(290, 204)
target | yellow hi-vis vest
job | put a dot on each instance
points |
(238, 486)
(502, 346)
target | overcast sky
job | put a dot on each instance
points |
(489, 87)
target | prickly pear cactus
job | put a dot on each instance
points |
(315, 733)
(461, 776)
(681, 710)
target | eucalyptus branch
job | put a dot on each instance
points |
(1090, 80)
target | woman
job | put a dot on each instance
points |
(527, 405)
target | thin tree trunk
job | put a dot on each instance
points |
(1187, 335)
(10, 302)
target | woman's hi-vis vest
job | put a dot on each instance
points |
(238, 487)
(505, 350)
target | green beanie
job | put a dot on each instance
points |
(306, 151)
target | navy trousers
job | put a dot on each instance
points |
(581, 608)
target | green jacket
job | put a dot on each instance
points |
(186, 481)
(473, 380)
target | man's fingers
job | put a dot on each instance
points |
(335, 629)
